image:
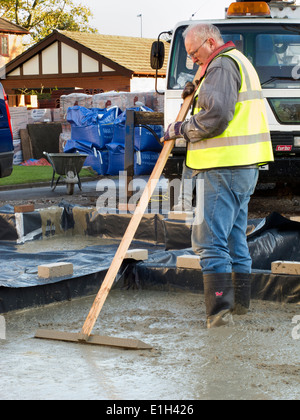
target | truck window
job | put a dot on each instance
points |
(237, 39)
(182, 69)
(273, 49)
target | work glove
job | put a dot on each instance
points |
(173, 132)
(189, 88)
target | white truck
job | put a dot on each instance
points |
(268, 33)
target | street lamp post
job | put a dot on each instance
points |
(141, 17)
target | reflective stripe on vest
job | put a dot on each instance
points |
(246, 140)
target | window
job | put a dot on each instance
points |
(182, 68)
(273, 49)
(4, 50)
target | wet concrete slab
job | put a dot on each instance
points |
(258, 358)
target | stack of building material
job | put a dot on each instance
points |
(125, 100)
(80, 99)
(19, 121)
(39, 115)
(146, 146)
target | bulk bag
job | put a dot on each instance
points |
(97, 159)
(84, 124)
(89, 134)
(78, 116)
(144, 162)
(144, 140)
(116, 153)
(106, 125)
(72, 146)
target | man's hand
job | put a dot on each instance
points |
(173, 131)
(189, 88)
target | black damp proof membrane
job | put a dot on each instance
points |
(272, 239)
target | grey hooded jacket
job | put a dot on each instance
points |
(217, 99)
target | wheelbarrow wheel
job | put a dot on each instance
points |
(70, 188)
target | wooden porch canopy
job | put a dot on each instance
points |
(69, 60)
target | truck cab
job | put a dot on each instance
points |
(6, 137)
(268, 33)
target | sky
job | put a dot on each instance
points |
(119, 17)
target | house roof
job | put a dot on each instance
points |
(127, 56)
(130, 52)
(9, 27)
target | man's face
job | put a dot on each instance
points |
(199, 50)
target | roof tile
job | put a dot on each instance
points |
(130, 52)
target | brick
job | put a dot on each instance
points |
(25, 208)
(55, 270)
(137, 254)
(285, 267)
(189, 261)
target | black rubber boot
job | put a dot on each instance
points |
(242, 293)
(219, 298)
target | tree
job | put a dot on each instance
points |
(40, 17)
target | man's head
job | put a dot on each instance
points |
(201, 41)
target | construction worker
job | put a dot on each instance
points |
(228, 138)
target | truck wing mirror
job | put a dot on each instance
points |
(157, 55)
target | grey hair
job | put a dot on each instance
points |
(201, 31)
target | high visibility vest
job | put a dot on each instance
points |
(246, 141)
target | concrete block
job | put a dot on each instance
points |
(129, 208)
(55, 270)
(189, 261)
(178, 215)
(137, 254)
(295, 218)
(285, 267)
(25, 208)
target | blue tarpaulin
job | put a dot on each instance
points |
(100, 133)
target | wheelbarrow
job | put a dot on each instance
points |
(67, 165)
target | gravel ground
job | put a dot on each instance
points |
(266, 200)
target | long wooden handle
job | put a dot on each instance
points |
(133, 225)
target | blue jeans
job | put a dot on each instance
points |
(220, 236)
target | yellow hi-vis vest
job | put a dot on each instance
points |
(246, 141)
